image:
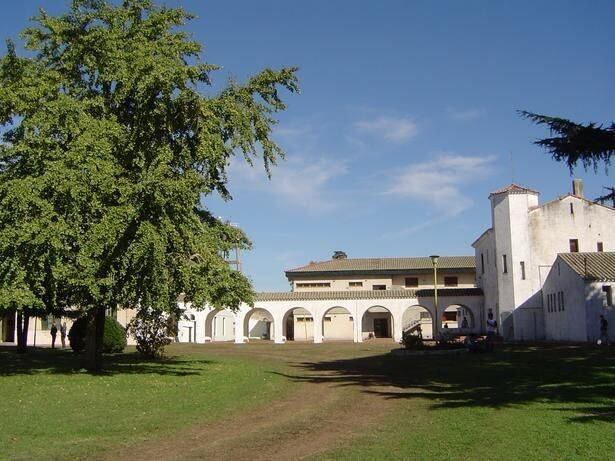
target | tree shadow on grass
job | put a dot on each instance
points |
(580, 378)
(64, 361)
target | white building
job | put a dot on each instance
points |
(350, 299)
(515, 255)
(578, 289)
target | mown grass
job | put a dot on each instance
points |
(522, 402)
(531, 403)
(52, 410)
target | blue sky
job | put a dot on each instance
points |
(407, 116)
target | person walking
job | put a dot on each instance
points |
(54, 333)
(464, 322)
(63, 334)
(492, 329)
(604, 331)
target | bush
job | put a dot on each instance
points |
(153, 330)
(77, 333)
(413, 342)
(114, 339)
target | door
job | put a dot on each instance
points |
(381, 328)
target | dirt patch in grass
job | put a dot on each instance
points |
(318, 417)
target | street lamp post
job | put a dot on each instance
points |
(434, 261)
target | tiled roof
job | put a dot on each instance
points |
(364, 294)
(385, 264)
(592, 266)
(514, 189)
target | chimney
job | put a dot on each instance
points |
(577, 188)
(339, 255)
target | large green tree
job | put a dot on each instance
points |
(571, 142)
(111, 147)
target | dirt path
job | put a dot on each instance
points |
(317, 417)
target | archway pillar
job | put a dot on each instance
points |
(318, 328)
(397, 316)
(240, 316)
(278, 328)
(358, 325)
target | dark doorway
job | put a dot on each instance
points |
(381, 328)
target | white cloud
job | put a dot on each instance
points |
(392, 129)
(464, 115)
(439, 182)
(300, 181)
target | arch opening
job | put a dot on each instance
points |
(258, 324)
(377, 322)
(419, 321)
(298, 325)
(220, 326)
(337, 324)
(458, 316)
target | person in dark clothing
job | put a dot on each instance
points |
(54, 333)
(604, 331)
(63, 334)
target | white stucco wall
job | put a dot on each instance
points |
(526, 232)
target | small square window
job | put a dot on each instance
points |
(450, 281)
(600, 247)
(574, 245)
(379, 287)
(412, 282)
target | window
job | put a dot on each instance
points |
(504, 265)
(327, 319)
(379, 287)
(608, 295)
(600, 247)
(450, 281)
(482, 263)
(355, 284)
(313, 285)
(522, 270)
(563, 304)
(412, 282)
(574, 245)
(424, 315)
(571, 208)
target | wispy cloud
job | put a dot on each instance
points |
(300, 181)
(439, 182)
(464, 115)
(391, 129)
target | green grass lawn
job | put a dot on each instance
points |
(51, 410)
(530, 403)
(542, 403)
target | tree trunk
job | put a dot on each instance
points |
(94, 339)
(23, 321)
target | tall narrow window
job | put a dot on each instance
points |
(522, 270)
(571, 208)
(482, 263)
(600, 246)
(574, 245)
(608, 295)
(504, 265)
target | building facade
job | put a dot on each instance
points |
(353, 300)
(515, 255)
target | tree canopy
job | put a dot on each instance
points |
(591, 143)
(110, 146)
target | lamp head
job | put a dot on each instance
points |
(434, 259)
